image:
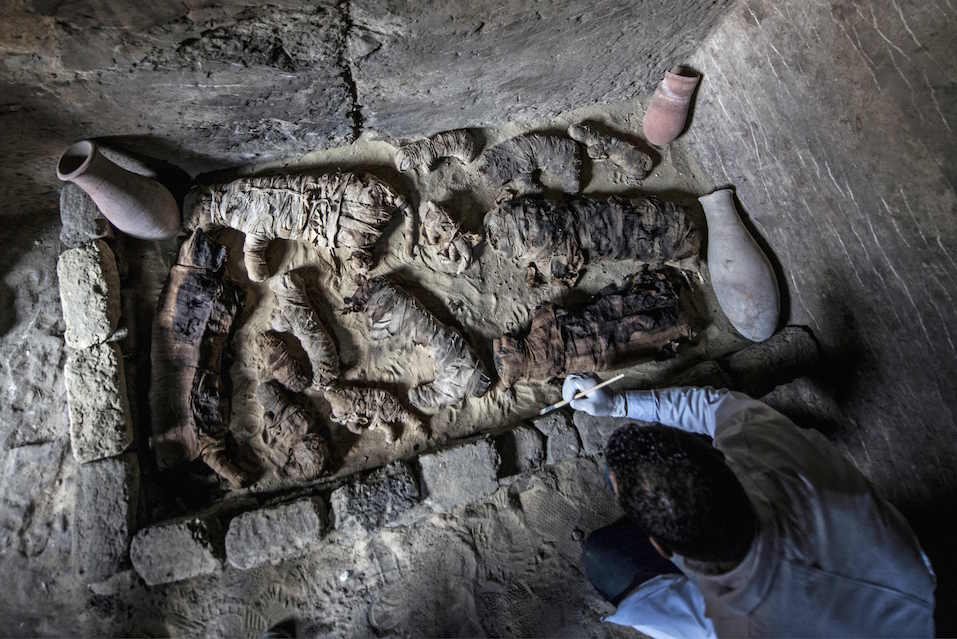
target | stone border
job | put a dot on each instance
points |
(403, 492)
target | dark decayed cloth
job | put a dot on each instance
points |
(617, 326)
(189, 390)
(561, 236)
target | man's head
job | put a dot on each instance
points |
(678, 488)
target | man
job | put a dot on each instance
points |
(768, 531)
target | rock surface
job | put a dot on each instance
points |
(28, 478)
(521, 449)
(595, 431)
(205, 86)
(89, 293)
(274, 534)
(177, 550)
(561, 438)
(100, 421)
(460, 475)
(512, 60)
(80, 218)
(104, 516)
(377, 499)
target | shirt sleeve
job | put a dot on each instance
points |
(666, 607)
(696, 410)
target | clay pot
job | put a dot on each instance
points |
(668, 113)
(136, 205)
(741, 274)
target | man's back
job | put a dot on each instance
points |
(838, 560)
(830, 557)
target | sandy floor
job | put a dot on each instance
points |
(510, 566)
(487, 300)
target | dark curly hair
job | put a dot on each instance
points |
(677, 487)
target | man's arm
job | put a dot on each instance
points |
(695, 410)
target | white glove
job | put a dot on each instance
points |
(602, 403)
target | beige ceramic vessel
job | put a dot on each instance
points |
(741, 274)
(137, 205)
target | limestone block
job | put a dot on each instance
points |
(274, 534)
(104, 516)
(89, 293)
(561, 437)
(595, 431)
(377, 499)
(521, 449)
(100, 423)
(81, 220)
(27, 491)
(177, 550)
(460, 475)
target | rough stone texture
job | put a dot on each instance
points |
(561, 438)
(805, 402)
(100, 421)
(80, 218)
(511, 60)
(205, 84)
(89, 293)
(375, 500)
(271, 535)
(177, 550)
(595, 431)
(836, 122)
(758, 368)
(104, 516)
(520, 449)
(28, 476)
(460, 475)
(32, 350)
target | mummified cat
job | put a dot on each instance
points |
(289, 431)
(334, 210)
(189, 391)
(422, 156)
(297, 311)
(648, 314)
(360, 408)
(458, 370)
(560, 236)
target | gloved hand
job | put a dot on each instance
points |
(604, 402)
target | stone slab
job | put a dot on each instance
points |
(520, 449)
(177, 550)
(26, 486)
(420, 68)
(595, 431)
(561, 438)
(89, 293)
(275, 534)
(100, 422)
(80, 219)
(104, 516)
(377, 499)
(460, 475)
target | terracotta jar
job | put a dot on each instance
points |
(666, 116)
(741, 274)
(137, 205)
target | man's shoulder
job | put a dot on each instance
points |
(810, 601)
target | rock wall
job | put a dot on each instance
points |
(835, 122)
(207, 84)
(419, 71)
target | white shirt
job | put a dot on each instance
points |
(830, 559)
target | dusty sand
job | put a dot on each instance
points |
(509, 566)
(490, 298)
